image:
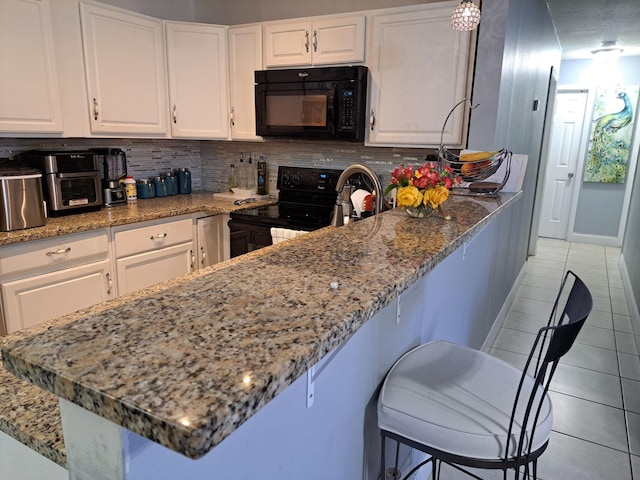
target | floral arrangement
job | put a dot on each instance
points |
(424, 188)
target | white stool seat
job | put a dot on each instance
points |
(458, 400)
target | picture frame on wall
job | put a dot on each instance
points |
(613, 119)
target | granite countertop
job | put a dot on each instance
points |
(143, 210)
(30, 414)
(185, 363)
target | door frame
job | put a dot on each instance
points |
(582, 155)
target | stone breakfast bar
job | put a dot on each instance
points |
(267, 365)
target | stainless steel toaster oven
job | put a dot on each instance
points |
(71, 180)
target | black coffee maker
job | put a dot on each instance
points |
(113, 162)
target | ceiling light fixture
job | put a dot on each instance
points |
(466, 16)
(608, 49)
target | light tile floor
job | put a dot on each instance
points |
(596, 389)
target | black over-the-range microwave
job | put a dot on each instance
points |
(317, 103)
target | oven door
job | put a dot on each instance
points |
(67, 192)
(246, 237)
(305, 109)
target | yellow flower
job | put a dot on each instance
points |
(409, 196)
(435, 196)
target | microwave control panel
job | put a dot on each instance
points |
(348, 104)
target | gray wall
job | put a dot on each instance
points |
(225, 12)
(601, 201)
(631, 245)
(506, 86)
(248, 11)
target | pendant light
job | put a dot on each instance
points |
(466, 16)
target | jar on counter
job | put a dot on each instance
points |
(160, 186)
(130, 189)
(146, 189)
(171, 183)
(183, 176)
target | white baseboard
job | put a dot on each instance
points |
(631, 298)
(594, 239)
(497, 324)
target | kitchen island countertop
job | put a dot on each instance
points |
(185, 363)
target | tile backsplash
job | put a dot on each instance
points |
(209, 161)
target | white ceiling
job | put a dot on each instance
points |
(583, 25)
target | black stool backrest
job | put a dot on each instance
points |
(552, 342)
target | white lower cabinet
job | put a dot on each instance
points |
(37, 299)
(212, 237)
(149, 253)
(45, 279)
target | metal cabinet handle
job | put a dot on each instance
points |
(306, 42)
(232, 116)
(60, 251)
(203, 255)
(174, 114)
(158, 236)
(193, 258)
(109, 283)
(372, 120)
(315, 40)
(96, 109)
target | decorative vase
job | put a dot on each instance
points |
(421, 211)
(425, 211)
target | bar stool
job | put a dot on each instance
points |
(468, 409)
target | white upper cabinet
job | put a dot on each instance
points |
(419, 70)
(29, 94)
(198, 79)
(245, 57)
(125, 66)
(322, 41)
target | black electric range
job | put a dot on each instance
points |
(306, 201)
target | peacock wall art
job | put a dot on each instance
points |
(611, 135)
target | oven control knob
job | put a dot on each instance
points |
(297, 179)
(285, 178)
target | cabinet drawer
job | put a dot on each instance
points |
(53, 253)
(152, 237)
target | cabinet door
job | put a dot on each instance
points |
(126, 71)
(197, 66)
(37, 299)
(287, 44)
(146, 269)
(338, 40)
(212, 239)
(245, 57)
(419, 70)
(28, 80)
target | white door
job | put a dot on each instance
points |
(245, 57)
(338, 40)
(29, 96)
(419, 67)
(125, 66)
(564, 151)
(197, 62)
(287, 43)
(210, 241)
